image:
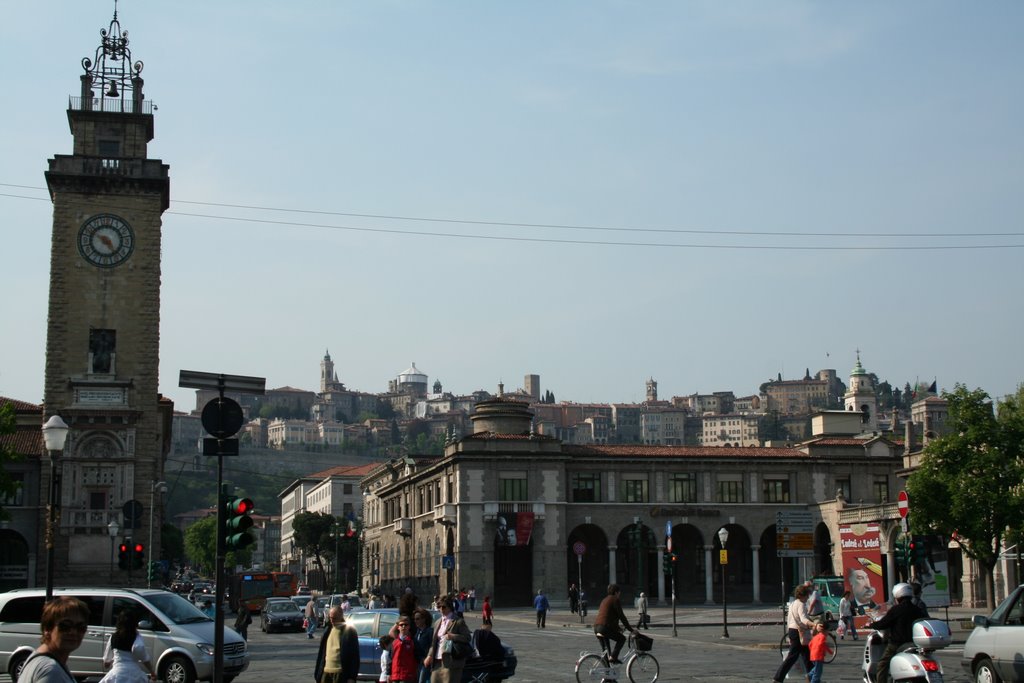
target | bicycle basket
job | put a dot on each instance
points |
(642, 643)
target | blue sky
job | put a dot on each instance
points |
(694, 133)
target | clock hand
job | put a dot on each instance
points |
(107, 242)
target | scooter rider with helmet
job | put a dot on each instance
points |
(899, 622)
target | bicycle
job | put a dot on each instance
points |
(830, 638)
(641, 666)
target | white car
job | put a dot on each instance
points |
(992, 652)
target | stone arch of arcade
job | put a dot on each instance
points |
(690, 566)
(589, 571)
(741, 572)
(637, 561)
(824, 552)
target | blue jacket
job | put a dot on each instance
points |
(541, 604)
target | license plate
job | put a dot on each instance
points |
(934, 677)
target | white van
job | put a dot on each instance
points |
(178, 637)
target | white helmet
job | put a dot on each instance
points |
(902, 590)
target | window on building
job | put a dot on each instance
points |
(729, 490)
(17, 497)
(634, 490)
(682, 487)
(775, 489)
(843, 485)
(109, 148)
(586, 487)
(512, 487)
(881, 489)
(347, 489)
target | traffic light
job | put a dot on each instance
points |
(123, 562)
(902, 552)
(238, 523)
(918, 549)
(153, 573)
(666, 564)
(138, 556)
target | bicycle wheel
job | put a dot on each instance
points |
(590, 669)
(642, 668)
(830, 639)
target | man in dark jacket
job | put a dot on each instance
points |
(899, 622)
(338, 658)
(606, 623)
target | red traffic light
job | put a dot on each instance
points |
(138, 547)
(123, 548)
(240, 506)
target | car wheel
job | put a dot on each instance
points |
(984, 672)
(15, 666)
(177, 670)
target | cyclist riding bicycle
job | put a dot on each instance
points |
(606, 624)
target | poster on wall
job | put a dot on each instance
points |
(931, 569)
(862, 565)
(514, 528)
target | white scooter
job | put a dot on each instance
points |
(915, 663)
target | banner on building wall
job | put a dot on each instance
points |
(514, 528)
(862, 564)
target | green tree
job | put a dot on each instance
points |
(969, 483)
(201, 547)
(172, 543)
(8, 424)
(312, 533)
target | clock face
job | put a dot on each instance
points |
(106, 240)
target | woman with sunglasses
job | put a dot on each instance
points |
(423, 632)
(450, 638)
(64, 623)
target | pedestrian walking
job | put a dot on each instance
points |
(337, 660)
(242, 621)
(385, 657)
(574, 598)
(541, 604)
(125, 653)
(403, 653)
(488, 611)
(846, 612)
(423, 632)
(798, 625)
(642, 618)
(472, 598)
(819, 650)
(445, 665)
(310, 617)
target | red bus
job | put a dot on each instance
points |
(253, 588)
(284, 584)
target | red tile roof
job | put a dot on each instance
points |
(26, 439)
(345, 471)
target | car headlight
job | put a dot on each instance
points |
(205, 648)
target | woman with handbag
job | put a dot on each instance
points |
(449, 646)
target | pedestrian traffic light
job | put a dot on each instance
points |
(138, 556)
(238, 523)
(123, 561)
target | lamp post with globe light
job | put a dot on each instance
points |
(113, 529)
(723, 558)
(55, 435)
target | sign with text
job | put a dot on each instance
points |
(794, 533)
(862, 565)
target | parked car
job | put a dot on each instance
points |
(993, 650)
(178, 637)
(371, 624)
(280, 615)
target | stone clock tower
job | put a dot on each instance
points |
(103, 327)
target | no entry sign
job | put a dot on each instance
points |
(903, 503)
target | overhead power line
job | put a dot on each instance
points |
(593, 228)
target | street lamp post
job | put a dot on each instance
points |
(154, 488)
(337, 533)
(113, 529)
(55, 434)
(723, 536)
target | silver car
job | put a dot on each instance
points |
(178, 637)
(992, 652)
